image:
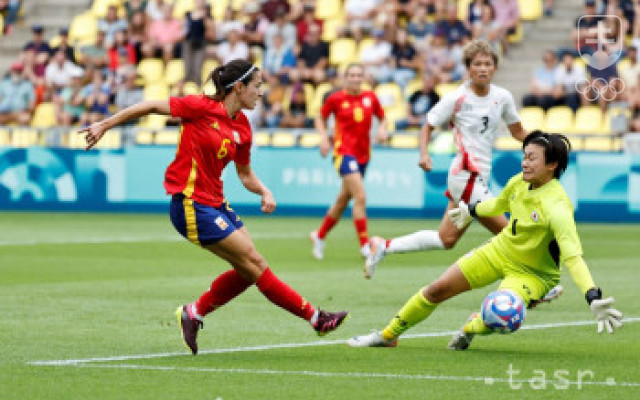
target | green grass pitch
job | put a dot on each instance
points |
(93, 288)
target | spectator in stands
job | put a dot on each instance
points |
(95, 55)
(307, 19)
(128, 92)
(270, 8)
(625, 9)
(125, 66)
(634, 105)
(360, 14)
(59, 71)
(132, 7)
(605, 82)
(69, 51)
(96, 95)
(256, 26)
(405, 59)
(138, 32)
(452, 27)
(629, 74)
(420, 102)
(420, 29)
(272, 106)
(488, 29)
(439, 59)
(507, 15)
(544, 90)
(111, 24)
(17, 97)
(474, 13)
(38, 44)
(583, 34)
(70, 103)
(283, 27)
(313, 58)
(230, 21)
(569, 78)
(295, 116)
(199, 29)
(377, 59)
(165, 35)
(34, 67)
(154, 9)
(9, 11)
(121, 45)
(279, 61)
(232, 48)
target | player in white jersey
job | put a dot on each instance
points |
(474, 112)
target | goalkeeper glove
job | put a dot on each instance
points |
(605, 314)
(461, 216)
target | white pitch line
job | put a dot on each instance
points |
(382, 375)
(76, 362)
(135, 239)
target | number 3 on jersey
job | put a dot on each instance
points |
(223, 151)
(485, 122)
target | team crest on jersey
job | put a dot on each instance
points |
(534, 216)
(222, 224)
(345, 104)
(366, 102)
(236, 137)
(215, 126)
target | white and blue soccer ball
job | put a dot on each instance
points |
(503, 311)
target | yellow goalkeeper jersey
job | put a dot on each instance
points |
(541, 232)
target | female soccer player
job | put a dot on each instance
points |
(214, 131)
(526, 255)
(474, 111)
(353, 109)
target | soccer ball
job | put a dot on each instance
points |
(503, 311)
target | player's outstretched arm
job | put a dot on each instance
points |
(517, 131)
(253, 184)
(94, 132)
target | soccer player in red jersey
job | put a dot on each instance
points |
(213, 132)
(353, 109)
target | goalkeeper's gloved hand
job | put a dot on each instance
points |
(461, 217)
(605, 314)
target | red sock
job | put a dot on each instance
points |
(326, 226)
(224, 288)
(282, 295)
(361, 228)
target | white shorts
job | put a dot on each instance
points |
(467, 186)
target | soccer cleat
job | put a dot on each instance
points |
(374, 339)
(365, 250)
(318, 245)
(462, 340)
(328, 321)
(189, 326)
(552, 294)
(378, 251)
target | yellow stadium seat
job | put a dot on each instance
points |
(156, 91)
(507, 143)
(624, 64)
(330, 28)
(364, 45)
(154, 121)
(237, 4)
(404, 141)
(181, 7)
(588, 120)
(151, 70)
(310, 140)
(55, 41)
(463, 9)
(328, 9)
(576, 141)
(444, 88)
(342, 51)
(174, 71)
(191, 88)
(24, 137)
(100, 7)
(74, 140)
(111, 140)
(532, 118)
(5, 138)
(412, 87)
(579, 62)
(518, 35)
(207, 67)
(218, 9)
(530, 10)
(261, 139)
(144, 137)
(318, 97)
(602, 143)
(84, 28)
(1, 26)
(283, 139)
(44, 116)
(394, 114)
(559, 120)
(389, 94)
(167, 137)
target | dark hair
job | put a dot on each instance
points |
(556, 149)
(226, 76)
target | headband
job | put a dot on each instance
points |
(249, 71)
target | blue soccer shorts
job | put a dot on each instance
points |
(346, 165)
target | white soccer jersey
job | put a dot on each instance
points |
(475, 121)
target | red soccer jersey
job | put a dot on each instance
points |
(209, 139)
(353, 122)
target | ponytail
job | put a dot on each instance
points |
(226, 76)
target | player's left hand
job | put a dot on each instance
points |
(382, 137)
(461, 217)
(268, 203)
(606, 315)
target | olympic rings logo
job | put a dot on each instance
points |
(599, 87)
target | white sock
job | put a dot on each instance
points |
(417, 241)
(314, 319)
(194, 311)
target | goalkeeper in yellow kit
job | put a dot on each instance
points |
(526, 255)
